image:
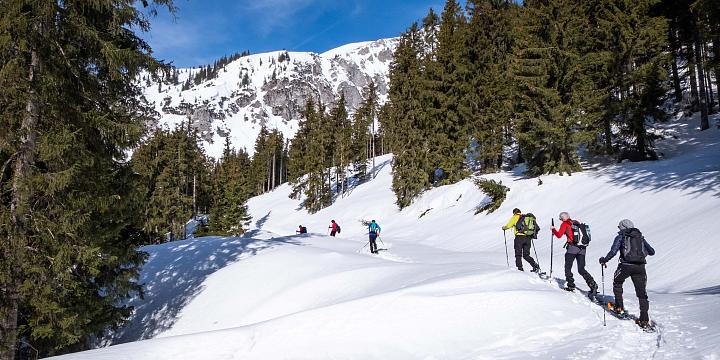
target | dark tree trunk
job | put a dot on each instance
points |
(21, 191)
(608, 133)
(716, 56)
(708, 81)
(697, 39)
(674, 62)
(693, 79)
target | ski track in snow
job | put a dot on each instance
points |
(441, 289)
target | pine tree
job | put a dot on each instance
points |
(551, 85)
(169, 163)
(406, 120)
(342, 142)
(446, 72)
(487, 102)
(363, 131)
(69, 108)
(228, 215)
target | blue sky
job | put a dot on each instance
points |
(204, 30)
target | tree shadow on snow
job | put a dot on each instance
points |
(173, 276)
(690, 166)
(712, 290)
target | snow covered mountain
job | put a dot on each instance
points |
(441, 290)
(270, 89)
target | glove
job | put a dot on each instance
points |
(602, 260)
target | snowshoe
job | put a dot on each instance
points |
(592, 294)
(646, 326)
(569, 288)
(617, 311)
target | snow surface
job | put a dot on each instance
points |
(441, 290)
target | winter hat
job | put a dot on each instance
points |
(516, 211)
(626, 224)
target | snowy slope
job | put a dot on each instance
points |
(442, 290)
(276, 92)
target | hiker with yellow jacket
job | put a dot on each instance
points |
(523, 240)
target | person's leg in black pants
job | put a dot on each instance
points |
(584, 273)
(569, 280)
(620, 275)
(526, 252)
(518, 245)
(639, 279)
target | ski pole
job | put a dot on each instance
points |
(366, 244)
(379, 238)
(602, 271)
(552, 238)
(507, 258)
(532, 242)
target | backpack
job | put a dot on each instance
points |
(581, 234)
(633, 248)
(338, 228)
(527, 225)
(373, 229)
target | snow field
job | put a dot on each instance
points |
(442, 289)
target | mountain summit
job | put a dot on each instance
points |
(268, 89)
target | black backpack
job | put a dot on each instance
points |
(527, 225)
(633, 247)
(338, 228)
(581, 234)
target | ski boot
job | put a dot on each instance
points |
(592, 294)
(645, 325)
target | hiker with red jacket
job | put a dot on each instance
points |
(575, 251)
(333, 228)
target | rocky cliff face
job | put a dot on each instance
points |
(270, 89)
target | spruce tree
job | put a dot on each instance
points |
(228, 215)
(406, 121)
(551, 85)
(69, 107)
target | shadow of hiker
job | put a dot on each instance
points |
(173, 276)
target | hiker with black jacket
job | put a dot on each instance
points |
(575, 252)
(633, 249)
(522, 241)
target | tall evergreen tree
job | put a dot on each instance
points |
(69, 108)
(406, 120)
(229, 215)
(487, 102)
(170, 164)
(551, 85)
(446, 73)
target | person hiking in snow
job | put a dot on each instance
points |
(522, 243)
(373, 233)
(333, 228)
(301, 230)
(574, 252)
(633, 250)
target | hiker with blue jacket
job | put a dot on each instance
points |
(523, 241)
(373, 232)
(633, 249)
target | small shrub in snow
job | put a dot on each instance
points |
(495, 190)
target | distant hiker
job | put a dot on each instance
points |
(373, 232)
(523, 238)
(301, 230)
(334, 228)
(575, 251)
(633, 250)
